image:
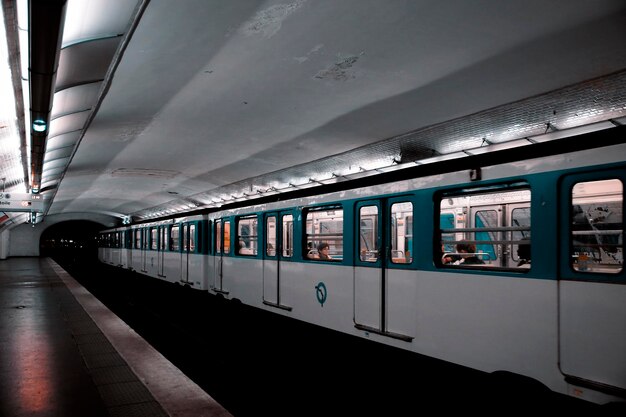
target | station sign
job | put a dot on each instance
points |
(21, 202)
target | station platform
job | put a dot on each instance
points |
(63, 353)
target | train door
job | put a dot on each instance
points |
(592, 281)
(161, 248)
(384, 286)
(278, 248)
(222, 247)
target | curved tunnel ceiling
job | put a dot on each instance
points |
(163, 107)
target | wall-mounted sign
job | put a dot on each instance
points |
(21, 202)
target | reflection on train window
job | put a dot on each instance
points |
(287, 236)
(485, 229)
(137, 238)
(368, 233)
(597, 234)
(401, 222)
(324, 227)
(270, 236)
(174, 238)
(247, 235)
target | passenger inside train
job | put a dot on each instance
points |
(469, 256)
(323, 251)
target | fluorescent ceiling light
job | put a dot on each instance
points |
(11, 169)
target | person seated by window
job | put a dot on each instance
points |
(523, 253)
(322, 252)
(469, 259)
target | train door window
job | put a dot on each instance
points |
(520, 217)
(401, 230)
(192, 237)
(368, 229)
(479, 228)
(227, 236)
(324, 234)
(137, 233)
(175, 238)
(145, 242)
(597, 233)
(270, 236)
(488, 220)
(247, 235)
(163, 235)
(287, 236)
(218, 236)
(154, 238)
(446, 222)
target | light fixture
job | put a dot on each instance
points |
(39, 125)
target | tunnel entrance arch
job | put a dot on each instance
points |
(71, 242)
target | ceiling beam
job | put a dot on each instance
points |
(46, 21)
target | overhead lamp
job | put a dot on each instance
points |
(39, 125)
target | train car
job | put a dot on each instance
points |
(111, 248)
(514, 266)
(170, 250)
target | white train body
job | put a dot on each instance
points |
(561, 322)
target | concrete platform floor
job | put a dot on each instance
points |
(63, 353)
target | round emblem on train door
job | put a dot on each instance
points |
(321, 293)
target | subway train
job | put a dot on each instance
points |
(510, 264)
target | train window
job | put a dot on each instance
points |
(520, 217)
(163, 238)
(485, 229)
(270, 236)
(153, 238)
(368, 233)
(175, 238)
(287, 236)
(192, 237)
(597, 234)
(227, 236)
(137, 238)
(247, 235)
(324, 234)
(145, 240)
(401, 225)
